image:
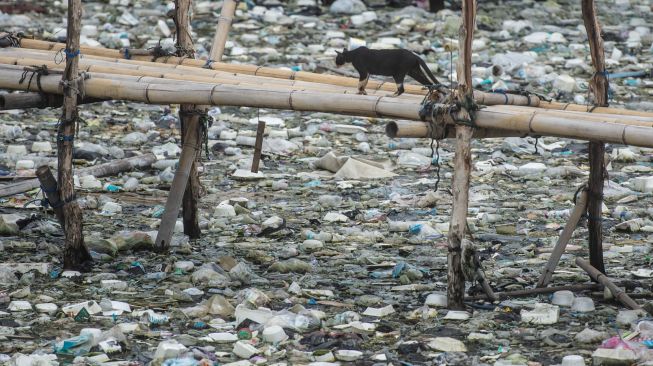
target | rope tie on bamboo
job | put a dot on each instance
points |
(205, 122)
(126, 54)
(61, 203)
(37, 71)
(10, 39)
(376, 105)
(208, 64)
(158, 51)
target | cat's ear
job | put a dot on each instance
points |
(344, 50)
(338, 52)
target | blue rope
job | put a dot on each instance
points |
(70, 54)
(126, 54)
(65, 138)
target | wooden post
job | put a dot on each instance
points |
(49, 187)
(462, 160)
(222, 29)
(75, 252)
(258, 146)
(601, 278)
(559, 249)
(599, 85)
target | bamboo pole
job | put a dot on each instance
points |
(601, 278)
(313, 77)
(49, 187)
(222, 29)
(361, 105)
(101, 170)
(559, 249)
(462, 159)
(494, 118)
(188, 74)
(599, 85)
(76, 255)
(36, 100)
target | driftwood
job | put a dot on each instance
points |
(599, 277)
(599, 85)
(559, 249)
(101, 170)
(537, 291)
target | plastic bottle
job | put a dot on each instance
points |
(111, 188)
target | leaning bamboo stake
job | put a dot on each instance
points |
(462, 159)
(494, 118)
(184, 190)
(601, 278)
(537, 291)
(75, 252)
(222, 29)
(599, 85)
(101, 170)
(559, 249)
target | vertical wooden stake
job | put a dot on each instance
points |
(599, 85)
(258, 145)
(49, 187)
(462, 160)
(559, 249)
(222, 29)
(75, 252)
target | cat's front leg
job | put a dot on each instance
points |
(399, 80)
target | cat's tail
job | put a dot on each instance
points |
(427, 72)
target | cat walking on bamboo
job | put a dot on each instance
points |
(394, 62)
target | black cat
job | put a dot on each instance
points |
(395, 62)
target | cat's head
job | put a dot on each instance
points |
(341, 57)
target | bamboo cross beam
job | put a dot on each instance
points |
(492, 118)
(599, 85)
(579, 209)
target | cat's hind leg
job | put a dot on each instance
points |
(399, 80)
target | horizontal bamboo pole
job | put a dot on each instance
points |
(175, 74)
(101, 170)
(481, 97)
(210, 76)
(362, 105)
